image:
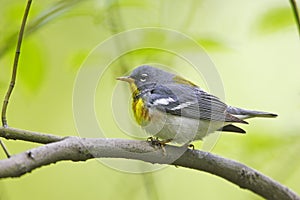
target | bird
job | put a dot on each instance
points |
(174, 109)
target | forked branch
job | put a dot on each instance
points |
(81, 149)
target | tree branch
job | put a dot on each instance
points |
(296, 14)
(81, 149)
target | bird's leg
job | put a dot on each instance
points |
(157, 142)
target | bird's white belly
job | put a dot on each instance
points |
(181, 130)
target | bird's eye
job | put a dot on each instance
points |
(143, 77)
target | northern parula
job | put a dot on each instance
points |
(172, 108)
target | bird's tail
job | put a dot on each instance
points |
(245, 114)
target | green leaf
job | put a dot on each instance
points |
(9, 37)
(213, 44)
(275, 19)
(31, 66)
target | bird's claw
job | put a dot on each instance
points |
(191, 146)
(160, 143)
(156, 142)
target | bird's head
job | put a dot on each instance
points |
(147, 75)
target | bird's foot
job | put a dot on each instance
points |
(160, 143)
(191, 146)
(188, 145)
(156, 142)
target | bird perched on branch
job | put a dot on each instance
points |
(174, 109)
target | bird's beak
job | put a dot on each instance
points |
(126, 79)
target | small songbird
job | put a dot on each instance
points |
(174, 109)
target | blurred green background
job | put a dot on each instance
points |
(256, 50)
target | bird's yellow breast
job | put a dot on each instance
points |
(140, 111)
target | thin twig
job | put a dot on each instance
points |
(14, 73)
(15, 65)
(4, 149)
(296, 14)
(29, 136)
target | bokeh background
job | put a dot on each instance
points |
(256, 50)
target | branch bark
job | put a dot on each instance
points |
(29, 136)
(82, 149)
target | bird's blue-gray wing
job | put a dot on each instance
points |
(189, 101)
